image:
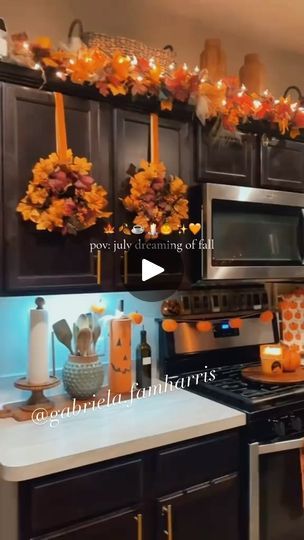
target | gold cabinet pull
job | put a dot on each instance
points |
(98, 266)
(139, 519)
(125, 267)
(169, 530)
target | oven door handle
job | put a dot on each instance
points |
(280, 446)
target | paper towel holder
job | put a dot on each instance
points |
(37, 398)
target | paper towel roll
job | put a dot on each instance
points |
(38, 365)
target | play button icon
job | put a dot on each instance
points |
(149, 270)
(152, 270)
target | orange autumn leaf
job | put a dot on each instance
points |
(166, 105)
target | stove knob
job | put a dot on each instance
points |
(279, 428)
(296, 423)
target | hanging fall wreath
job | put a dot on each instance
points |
(156, 200)
(62, 196)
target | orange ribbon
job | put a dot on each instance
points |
(61, 137)
(154, 138)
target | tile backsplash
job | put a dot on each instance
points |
(14, 324)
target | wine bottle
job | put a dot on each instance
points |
(143, 362)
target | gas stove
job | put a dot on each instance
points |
(230, 387)
(188, 355)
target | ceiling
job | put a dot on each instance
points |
(277, 23)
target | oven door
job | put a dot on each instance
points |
(257, 233)
(275, 491)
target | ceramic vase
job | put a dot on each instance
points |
(213, 59)
(83, 376)
(252, 74)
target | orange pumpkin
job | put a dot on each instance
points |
(120, 376)
(291, 359)
(235, 323)
(166, 229)
(169, 325)
(266, 316)
(136, 318)
(203, 326)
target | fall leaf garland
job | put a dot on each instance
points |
(118, 74)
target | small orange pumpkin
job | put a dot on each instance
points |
(266, 316)
(169, 325)
(166, 229)
(136, 318)
(235, 323)
(203, 326)
(291, 359)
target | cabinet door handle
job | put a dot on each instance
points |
(98, 268)
(169, 530)
(139, 519)
(125, 267)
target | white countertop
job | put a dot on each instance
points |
(29, 451)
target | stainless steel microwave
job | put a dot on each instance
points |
(256, 233)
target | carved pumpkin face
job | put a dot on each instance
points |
(120, 379)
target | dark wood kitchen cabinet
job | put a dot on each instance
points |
(208, 511)
(187, 486)
(227, 158)
(282, 164)
(124, 525)
(131, 146)
(41, 260)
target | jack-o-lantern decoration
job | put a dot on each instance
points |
(120, 376)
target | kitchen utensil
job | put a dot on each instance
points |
(63, 333)
(75, 335)
(82, 321)
(90, 320)
(96, 335)
(84, 341)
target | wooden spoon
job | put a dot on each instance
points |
(84, 340)
(63, 333)
(96, 334)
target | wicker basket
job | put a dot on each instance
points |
(131, 47)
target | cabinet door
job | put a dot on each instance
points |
(282, 164)
(38, 259)
(132, 145)
(227, 159)
(209, 511)
(121, 526)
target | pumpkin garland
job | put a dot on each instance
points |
(171, 325)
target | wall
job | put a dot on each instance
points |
(14, 324)
(157, 23)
